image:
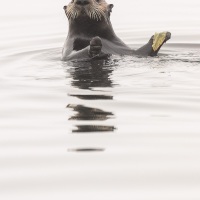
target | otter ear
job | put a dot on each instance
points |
(110, 7)
(65, 7)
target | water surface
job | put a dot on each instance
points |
(123, 128)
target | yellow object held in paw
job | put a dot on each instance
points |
(158, 39)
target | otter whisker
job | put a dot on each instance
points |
(71, 12)
(93, 16)
(76, 14)
(91, 13)
(102, 13)
(97, 14)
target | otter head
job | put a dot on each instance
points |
(96, 10)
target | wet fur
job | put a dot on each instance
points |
(88, 21)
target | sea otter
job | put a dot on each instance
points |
(91, 35)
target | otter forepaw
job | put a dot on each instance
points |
(158, 40)
(95, 47)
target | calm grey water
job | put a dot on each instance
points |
(125, 128)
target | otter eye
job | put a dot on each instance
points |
(98, 1)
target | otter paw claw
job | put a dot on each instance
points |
(168, 36)
(95, 47)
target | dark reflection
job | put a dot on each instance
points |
(88, 75)
(93, 128)
(87, 113)
(92, 97)
(87, 150)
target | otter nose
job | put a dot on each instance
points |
(82, 2)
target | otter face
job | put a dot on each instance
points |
(94, 9)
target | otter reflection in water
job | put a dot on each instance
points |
(91, 35)
(87, 75)
(90, 76)
(87, 113)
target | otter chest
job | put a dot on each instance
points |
(80, 43)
